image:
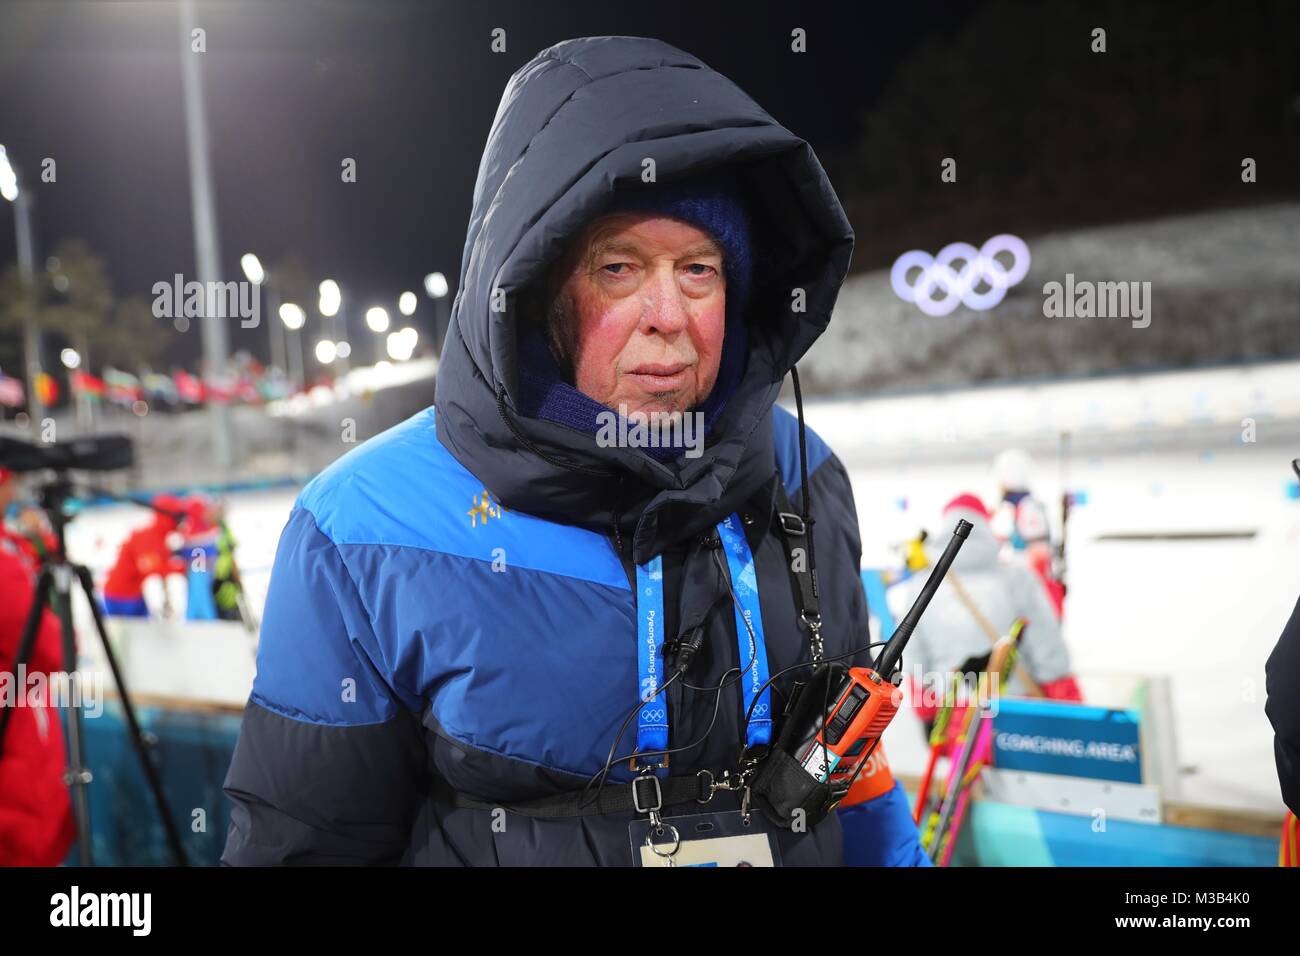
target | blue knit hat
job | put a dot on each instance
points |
(709, 202)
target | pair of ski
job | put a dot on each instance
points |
(973, 741)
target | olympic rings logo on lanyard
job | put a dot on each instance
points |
(959, 286)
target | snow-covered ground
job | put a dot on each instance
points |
(1153, 454)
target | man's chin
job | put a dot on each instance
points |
(656, 404)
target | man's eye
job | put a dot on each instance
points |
(700, 269)
(616, 268)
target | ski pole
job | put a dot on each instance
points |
(964, 770)
(937, 735)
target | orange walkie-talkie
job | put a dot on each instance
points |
(840, 716)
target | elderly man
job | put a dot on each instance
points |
(485, 623)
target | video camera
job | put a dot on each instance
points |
(85, 453)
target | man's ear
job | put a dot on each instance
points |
(561, 334)
(546, 303)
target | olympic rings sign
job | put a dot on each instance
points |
(654, 715)
(959, 286)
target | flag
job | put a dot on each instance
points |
(189, 388)
(87, 385)
(221, 389)
(122, 388)
(246, 391)
(12, 393)
(47, 389)
(160, 387)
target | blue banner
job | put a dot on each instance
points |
(1072, 739)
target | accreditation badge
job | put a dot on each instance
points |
(704, 840)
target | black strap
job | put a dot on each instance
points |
(617, 798)
(795, 532)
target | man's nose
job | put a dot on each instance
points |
(663, 306)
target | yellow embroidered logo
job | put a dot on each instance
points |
(484, 507)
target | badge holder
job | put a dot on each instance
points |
(726, 838)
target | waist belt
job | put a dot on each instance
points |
(646, 793)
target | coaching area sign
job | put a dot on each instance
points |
(1070, 739)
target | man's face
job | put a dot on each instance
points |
(645, 301)
(31, 521)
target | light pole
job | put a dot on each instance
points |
(255, 274)
(207, 258)
(435, 284)
(377, 322)
(331, 300)
(294, 318)
(11, 190)
(71, 360)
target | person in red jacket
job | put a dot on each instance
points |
(36, 823)
(30, 536)
(144, 554)
(1020, 522)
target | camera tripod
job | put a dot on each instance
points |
(54, 587)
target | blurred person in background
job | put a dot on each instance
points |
(33, 530)
(146, 558)
(28, 532)
(1282, 685)
(215, 590)
(8, 494)
(981, 597)
(1021, 523)
(36, 824)
(228, 586)
(198, 549)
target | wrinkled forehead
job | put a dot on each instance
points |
(642, 234)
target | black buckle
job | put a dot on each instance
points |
(792, 524)
(636, 794)
(838, 792)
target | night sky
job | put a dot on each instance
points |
(407, 89)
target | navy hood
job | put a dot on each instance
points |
(576, 124)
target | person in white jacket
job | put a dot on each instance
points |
(979, 600)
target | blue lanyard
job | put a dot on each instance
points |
(744, 581)
(652, 718)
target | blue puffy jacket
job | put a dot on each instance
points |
(451, 627)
